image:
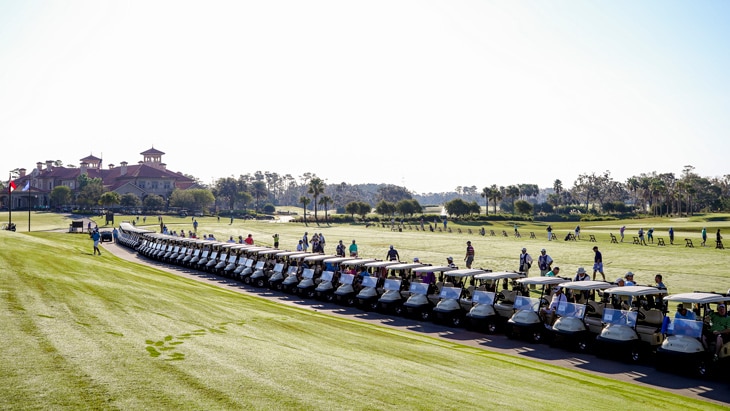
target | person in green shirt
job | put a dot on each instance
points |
(720, 327)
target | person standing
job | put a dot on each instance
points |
(641, 237)
(621, 232)
(392, 254)
(195, 226)
(95, 236)
(650, 235)
(249, 240)
(353, 249)
(671, 236)
(577, 232)
(718, 238)
(469, 256)
(305, 241)
(450, 262)
(115, 235)
(525, 262)
(549, 230)
(340, 249)
(704, 236)
(276, 240)
(598, 263)
(544, 262)
(659, 282)
(554, 272)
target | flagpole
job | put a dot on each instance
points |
(10, 201)
(29, 205)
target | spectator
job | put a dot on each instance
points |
(392, 254)
(684, 314)
(581, 275)
(704, 236)
(249, 240)
(353, 249)
(658, 279)
(525, 262)
(469, 256)
(276, 240)
(549, 230)
(450, 262)
(340, 249)
(720, 328)
(671, 235)
(544, 262)
(554, 272)
(629, 279)
(598, 263)
(95, 236)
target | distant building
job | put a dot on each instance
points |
(149, 176)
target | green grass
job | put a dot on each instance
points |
(80, 331)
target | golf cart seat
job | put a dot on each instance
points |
(651, 317)
(594, 310)
(507, 296)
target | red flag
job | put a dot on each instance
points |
(13, 186)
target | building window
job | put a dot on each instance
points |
(167, 185)
(154, 185)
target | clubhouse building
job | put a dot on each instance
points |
(148, 176)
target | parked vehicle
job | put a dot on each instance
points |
(579, 322)
(310, 275)
(531, 320)
(349, 284)
(328, 279)
(494, 305)
(289, 261)
(683, 349)
(396, 287)
(372, 287)
(632, 328)
(455, 301)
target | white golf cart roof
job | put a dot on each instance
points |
(268, 251)
(287, 253)
(433, 268)
(586, 285)
(405, 266)
(635, 290)
(465, 272)
(300, 256)
(358, 261)
(499, 275)
(697, 298)
(335, 259)
(379, 264)
(542, 280)
(319, 257)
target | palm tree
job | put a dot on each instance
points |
(324, 201)
(304, 200)
(486, 192)
(316, 188)
(495, 195)
(558, 187)
(512, 193)
(258, 189)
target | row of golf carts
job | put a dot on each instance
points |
(628, 322)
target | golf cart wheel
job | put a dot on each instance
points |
(350, 301)
(636, 355)
(491, 327)
(247, 280)
(372, 306)
(701, 369)
(536, 336)
(398, 310)
(260, 282)
(455, 321)
(581, 345)
(509, 332)
(329, 297)
(425, 315)
(309, 293)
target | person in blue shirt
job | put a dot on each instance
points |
(684, 314)
(96, 237)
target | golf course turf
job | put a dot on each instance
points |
(98, 332)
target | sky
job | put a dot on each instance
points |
(429, 95)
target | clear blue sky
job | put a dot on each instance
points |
(430, 95)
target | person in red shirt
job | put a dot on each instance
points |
(249, 240)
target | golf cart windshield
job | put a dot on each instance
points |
(681, 326)
(483, 297)
(346, 278)
(526, 303)
(451, 293)
(571, 310)
(369, 281)
(326, 275)
(392, 285)
(308, 273)
(620, 317)
(418, 288)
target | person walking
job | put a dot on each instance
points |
(95, 236)
(115, 235)
(704, 236)
(650, 235)
(469, 256)
(525, 262)
(598, 263)
(544, 263)
(671, 236)
(392, 254)
(718, 239)
(621, 232)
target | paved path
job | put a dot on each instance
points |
(710, 390)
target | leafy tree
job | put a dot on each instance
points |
(204, 198)
(60, 195)
(154, 202)
(182, 199)
(352, 208)
(363, 209)
(110, 198)
(392, 193)
(523, 207)
(90, 190)
(457, 207)
(512, 192)
(231, 189)
(408, 207)
(130, 200)
(385, 208)
(258, 189)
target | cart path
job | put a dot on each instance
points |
(714, 390)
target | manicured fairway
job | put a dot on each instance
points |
(87, 332)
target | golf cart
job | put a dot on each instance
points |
(455, 301)
(310, 275)
(494, 304)
(348, 285)
(372, 287)
(530, 320)
(579, 322)
(277, 277)
(632, 328)
(395, 286)
(295, 269)
(425, 290)
(326, 288)
(252, 264)
(260, 276)
(682, 348)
